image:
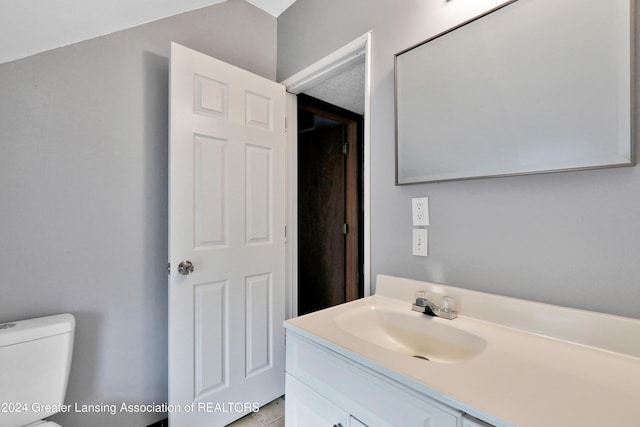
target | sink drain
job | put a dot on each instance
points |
(417, 356)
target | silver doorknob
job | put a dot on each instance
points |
(185, 268)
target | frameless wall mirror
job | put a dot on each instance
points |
(532, 86)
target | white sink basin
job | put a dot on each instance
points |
(412, 334)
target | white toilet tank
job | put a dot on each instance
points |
(35, 358)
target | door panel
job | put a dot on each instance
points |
(259, 188)
(227, 216)
(210, 195)
(258, 315)
(210, 336)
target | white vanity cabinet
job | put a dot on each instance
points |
(488, 367)
(307, 408)
(325, 388)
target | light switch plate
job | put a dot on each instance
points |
(420, 209)
(420, 242)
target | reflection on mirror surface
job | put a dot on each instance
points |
(532, 86)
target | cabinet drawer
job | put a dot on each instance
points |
(370, 397)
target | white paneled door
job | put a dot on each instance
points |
(226, 240)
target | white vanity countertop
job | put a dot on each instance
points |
(521, 378)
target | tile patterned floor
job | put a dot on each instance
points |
(270, 415)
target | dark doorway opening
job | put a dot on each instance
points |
(330, 200)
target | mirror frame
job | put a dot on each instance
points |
(422, 144)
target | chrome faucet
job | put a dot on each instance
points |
(423, 305)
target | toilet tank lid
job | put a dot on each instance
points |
(32, 329)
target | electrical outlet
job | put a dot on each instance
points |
(420, 209)
(420, 242)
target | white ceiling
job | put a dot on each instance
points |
(28, 27)
(274, 7)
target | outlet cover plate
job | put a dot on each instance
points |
(420, 210)
(420, 242)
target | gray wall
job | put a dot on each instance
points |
(568, 238)
(83, 194)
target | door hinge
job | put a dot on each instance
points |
(169, 269)
(345, 229)
(345, 148)
(285, 125)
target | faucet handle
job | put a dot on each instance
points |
(421, 302)
(421, 298)
(448, 304)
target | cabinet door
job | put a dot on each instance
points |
(372, 398)
(307, 408)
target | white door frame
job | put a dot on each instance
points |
(314, 74)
